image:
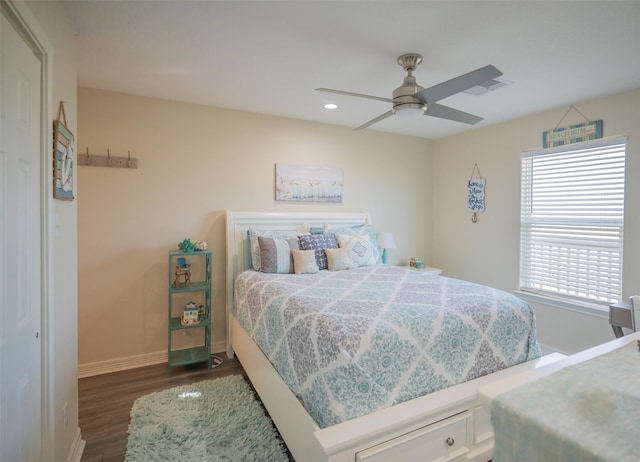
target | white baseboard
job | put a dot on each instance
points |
(77, 448)
(132, 362)
(548, 350)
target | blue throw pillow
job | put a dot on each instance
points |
(319, 242)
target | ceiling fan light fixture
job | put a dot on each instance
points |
(408, 110)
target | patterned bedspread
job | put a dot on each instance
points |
(350, 342)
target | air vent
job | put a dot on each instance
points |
(486, 87)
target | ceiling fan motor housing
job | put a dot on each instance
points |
(404, 96)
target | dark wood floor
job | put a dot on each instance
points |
(105, 402)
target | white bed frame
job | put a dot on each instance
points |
(450, 424)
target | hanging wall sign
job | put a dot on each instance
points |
(572, 134)
(475, 194)
(62, 157)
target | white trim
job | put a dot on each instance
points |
(77, 448)
(597, 311)
(547, 350)
(43, 48)
(132, 362)
(121, 364)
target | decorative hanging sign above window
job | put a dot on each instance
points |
(576, 133)
(475, 193)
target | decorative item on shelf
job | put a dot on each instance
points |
(183, 273)
(475, 193)
(186, 245)
(199, 246)
(190, 314)
(417, 263)
(386, 241)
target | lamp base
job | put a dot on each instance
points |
(384, 256)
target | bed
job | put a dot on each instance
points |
(393, 419)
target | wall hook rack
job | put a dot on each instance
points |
(110, 161)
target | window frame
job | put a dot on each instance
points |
(581, 304)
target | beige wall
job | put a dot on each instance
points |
(195, 162)
(487, 252)
(61, 362)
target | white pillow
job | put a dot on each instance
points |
(304, 261)
(338, 259)
(360, 249)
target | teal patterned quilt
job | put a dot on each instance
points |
(350, 342)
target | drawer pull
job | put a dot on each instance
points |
(450, 441)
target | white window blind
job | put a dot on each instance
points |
(572, 221)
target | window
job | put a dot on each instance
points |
(572, 221)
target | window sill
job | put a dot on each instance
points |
(591, 309)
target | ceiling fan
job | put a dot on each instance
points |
(411, 97)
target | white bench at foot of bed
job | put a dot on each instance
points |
(447, 425)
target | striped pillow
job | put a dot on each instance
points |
(254, 246)
(275, 254)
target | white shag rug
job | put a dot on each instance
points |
(214, 420)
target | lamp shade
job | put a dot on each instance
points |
(386, 241)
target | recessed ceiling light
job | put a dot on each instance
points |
(330, 106)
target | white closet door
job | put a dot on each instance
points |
(20, 230)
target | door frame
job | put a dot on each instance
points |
(34, 36)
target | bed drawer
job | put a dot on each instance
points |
(442, 441)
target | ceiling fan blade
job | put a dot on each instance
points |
(373, 121)
(446, 112)
(359, 95)
(459, 84)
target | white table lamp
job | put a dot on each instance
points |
(386, 241)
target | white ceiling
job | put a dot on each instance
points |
(269, 56)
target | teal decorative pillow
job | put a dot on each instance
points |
(359, 248)
(366, 230)
(304, 261)
(318, 242)
(275, 254)
(254, 233)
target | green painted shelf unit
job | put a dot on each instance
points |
(200, 287)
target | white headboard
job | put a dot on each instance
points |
(238, 223)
